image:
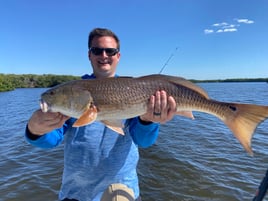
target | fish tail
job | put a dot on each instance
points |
(244, 120)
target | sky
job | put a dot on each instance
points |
(195, 39)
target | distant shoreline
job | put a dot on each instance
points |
(232, 80)
(9, 82)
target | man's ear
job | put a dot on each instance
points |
(118, 55)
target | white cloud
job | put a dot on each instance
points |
(220, 24)
(245, 21)
(231, 26)
(230, 30)
(208, 31)
(226, 30)
(219, 31)
(223, 27)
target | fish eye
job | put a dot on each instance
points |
(51, 93)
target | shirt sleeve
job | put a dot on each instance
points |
(144, 135)
(48, 140)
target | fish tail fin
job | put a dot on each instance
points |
(245, 120)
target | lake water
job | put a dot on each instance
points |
(192, 160)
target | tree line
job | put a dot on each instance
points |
(12, 81)
(235, 80)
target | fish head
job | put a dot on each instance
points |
(70, 99)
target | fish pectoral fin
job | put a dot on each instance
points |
(87, 117)
(115, 125)
(187, 114)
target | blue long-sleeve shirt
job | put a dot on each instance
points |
(95, 156)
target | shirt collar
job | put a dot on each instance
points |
(92, 76)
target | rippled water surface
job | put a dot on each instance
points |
(191, 160)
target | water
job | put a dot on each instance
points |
(192, 160)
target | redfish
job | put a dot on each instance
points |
(112, 99)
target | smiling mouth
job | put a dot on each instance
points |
(103, 62)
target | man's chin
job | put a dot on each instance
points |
(105, 73)
(105, 67)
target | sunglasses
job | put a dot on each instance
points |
(108, 51)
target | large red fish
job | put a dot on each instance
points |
(112, 99)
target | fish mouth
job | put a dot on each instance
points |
(44, 106)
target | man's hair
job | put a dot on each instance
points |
(99, 32)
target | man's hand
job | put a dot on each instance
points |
(41, 123)
(160, 108)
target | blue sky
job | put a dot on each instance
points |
(214, 39)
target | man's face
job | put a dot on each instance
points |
(103, 64)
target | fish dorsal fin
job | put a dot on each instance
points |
(186, 83)
(115, 125)
(87, 117)
(180, 81)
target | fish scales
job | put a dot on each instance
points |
(118, 91)
(125, 97)
(127, 94)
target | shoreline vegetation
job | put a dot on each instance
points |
(9, 82)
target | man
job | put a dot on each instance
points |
(96, 158)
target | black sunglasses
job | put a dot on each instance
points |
(108, 51)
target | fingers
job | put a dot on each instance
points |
(172, 108)
(158, 104)
(150, 107)
(160, 108)
(56, 121)
(167, 107)
(41, 123)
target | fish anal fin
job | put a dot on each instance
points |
(116, 129)
(87, 117)
(115, 125)
(187, 114)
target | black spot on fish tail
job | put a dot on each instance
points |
(232, 108)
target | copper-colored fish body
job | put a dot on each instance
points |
(126, 97)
